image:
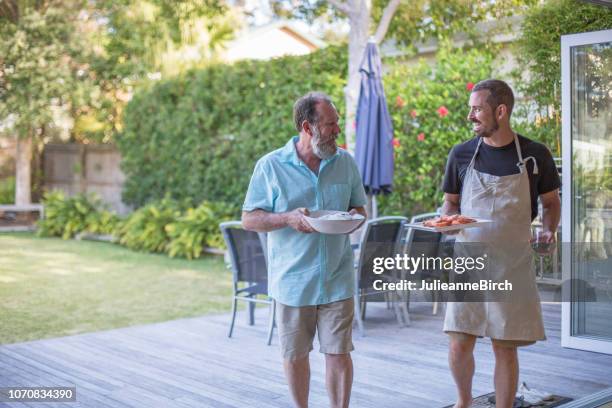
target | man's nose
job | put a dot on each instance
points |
(470, 115)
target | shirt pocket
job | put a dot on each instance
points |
(336, 197)
(295, 196)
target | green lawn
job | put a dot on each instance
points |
(50, 287)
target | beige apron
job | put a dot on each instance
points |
(506, 201)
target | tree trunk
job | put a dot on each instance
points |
(359, 20)
(23, 177)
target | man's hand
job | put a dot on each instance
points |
(360, 211)
(545, 237)
(451, 207)
(295, 219)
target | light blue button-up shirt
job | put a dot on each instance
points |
(306, 269)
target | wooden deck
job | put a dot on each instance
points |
(191, 363)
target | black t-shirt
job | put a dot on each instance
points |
(501, 161)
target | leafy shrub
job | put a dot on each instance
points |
(67, 216)
(428, 106)
(145, 228)
(103, 222)
(220, 120)
(197, 137)
(7, 191)
(157, 227)
(538, 52)
(539, 45)
(197, 228)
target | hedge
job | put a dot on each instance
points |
(429, 107)
(197, 137)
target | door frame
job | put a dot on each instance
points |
(567, 42)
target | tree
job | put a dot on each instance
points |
(137, 41)
(39, 61)
(407, 21)
(82, 58)
(538, 52)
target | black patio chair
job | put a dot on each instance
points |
(428, 244)
(249, 270)
(380, 238)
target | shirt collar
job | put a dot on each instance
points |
(289, 152)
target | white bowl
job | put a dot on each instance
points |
(333, 226)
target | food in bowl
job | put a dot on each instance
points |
(334, 222)
(339, 216)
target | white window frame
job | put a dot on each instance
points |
(567, 42)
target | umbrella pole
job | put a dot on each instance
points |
(372, 207)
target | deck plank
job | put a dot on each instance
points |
(191, 363)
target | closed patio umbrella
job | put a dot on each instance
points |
(374, 140)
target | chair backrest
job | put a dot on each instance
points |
(420, 243)
(246, 253)
(380, 238)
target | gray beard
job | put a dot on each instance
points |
(323, 152)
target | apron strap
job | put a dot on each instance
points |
(518, 148)
(522, 164)
(535, 163)
(471, 165)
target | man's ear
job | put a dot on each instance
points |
(306, 127)
(501, 111)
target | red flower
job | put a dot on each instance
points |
(421, 137)
(442, 111)
(469, 86)
(399, 102)
(342, 146)
(396, 142)
(413, 113)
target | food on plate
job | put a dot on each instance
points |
(340, 216)
(448, 220)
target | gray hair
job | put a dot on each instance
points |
(305, 108)
(499, 93)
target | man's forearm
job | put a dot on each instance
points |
(550, 217)
(263, 221)
(450, 208)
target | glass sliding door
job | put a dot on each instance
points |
(587, 190)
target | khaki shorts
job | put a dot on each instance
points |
(459, 336)
(333, 322)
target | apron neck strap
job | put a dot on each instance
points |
(518, 148)
(522, 164)
(471, 165)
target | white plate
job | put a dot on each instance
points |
(333, 226)
(479, 222)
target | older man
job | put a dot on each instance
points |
(499, 175)
(310, 274)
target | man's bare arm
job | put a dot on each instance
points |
(264, 221)
(551, 210)
(451, 204)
